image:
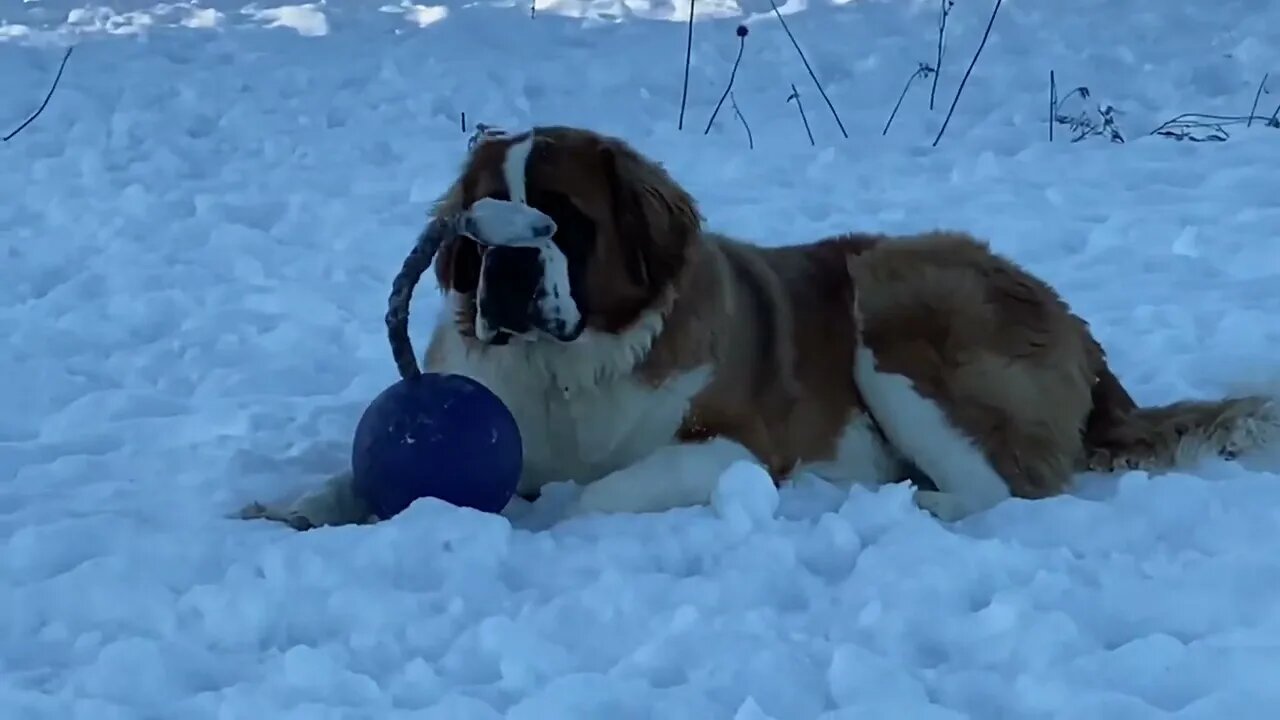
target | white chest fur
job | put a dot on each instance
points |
(581, 413)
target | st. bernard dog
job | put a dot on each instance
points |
(860, 358)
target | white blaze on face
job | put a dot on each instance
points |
(515, 166)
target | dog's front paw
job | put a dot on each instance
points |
(259, 511)
(943, 506)
(604, 499)
(334, 503)
(680, 475)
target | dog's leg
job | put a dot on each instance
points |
(975, 370)
(333, 503)
(677, 475)
(920, 430)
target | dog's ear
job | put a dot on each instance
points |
(458, 265)
(656, 219)
(457, 262)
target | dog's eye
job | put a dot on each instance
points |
(575, 231)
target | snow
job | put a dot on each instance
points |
(745, 494)
(197, 239)
(507, 223)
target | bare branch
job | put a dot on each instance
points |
(40, 109)
(812, 75)
(965, 79)
(1262, 87)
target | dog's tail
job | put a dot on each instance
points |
(1121, 435)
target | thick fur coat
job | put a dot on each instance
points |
(862, 358)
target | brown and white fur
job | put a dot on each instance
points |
(860, 358)
(957, 341)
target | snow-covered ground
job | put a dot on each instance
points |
(196, 243)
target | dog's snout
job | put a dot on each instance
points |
(510, 279)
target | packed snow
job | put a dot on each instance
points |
(197, 238)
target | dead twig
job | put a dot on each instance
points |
(741, 32)
(925, 70)
(812, 76)
(733, 103)
(1262, 87)
(795, 95)
(986, 34)
(36, 114)
(688, 56)
(944, 10)
(1203, 127)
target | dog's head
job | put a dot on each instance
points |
(622, 231)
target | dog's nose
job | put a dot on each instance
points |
(509, 282)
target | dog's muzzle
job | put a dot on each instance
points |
(524, 285)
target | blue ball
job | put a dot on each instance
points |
(436, 435)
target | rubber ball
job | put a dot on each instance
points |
(437, 435)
